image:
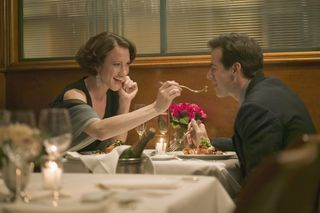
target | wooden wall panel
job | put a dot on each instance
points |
(35, 89)
(2, 91)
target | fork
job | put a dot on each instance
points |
(175, 145)
(205, 89)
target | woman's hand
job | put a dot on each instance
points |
(128, 91)
(196, 132)
(168, 91)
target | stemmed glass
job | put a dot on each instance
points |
(142, 127)
(163, 123)
(22, 144)
(55, 125)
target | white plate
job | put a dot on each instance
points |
(162, 157)
(225, 155)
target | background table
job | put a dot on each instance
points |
(200, 194)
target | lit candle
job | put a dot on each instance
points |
(161, 146)
(51, 175)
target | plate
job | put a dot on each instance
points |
(162, 157)
(225, 155)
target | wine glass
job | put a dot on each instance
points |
(142, 127)
(55, 125)
(163, 123)
(22, 144)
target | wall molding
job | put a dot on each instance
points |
(168, 61)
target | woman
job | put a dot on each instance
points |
(99, 104)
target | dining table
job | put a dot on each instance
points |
(225, 168)
(104, 193)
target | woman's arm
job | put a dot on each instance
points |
(103, 129)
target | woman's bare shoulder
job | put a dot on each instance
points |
(75, 94)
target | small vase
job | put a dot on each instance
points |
(9, 177)
(178, 141)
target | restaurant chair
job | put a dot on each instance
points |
(286, 182)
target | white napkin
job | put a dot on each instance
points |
(106, 163)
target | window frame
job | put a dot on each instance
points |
(15, 64)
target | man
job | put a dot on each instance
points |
(270, 116)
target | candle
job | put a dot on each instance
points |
(161, 146)
(51, 175)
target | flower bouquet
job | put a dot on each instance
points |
(181, 114)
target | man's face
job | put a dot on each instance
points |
(222, 78)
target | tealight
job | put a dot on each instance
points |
(51, 173)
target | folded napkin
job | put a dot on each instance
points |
(107, 163)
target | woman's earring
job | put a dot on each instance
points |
(98, 80)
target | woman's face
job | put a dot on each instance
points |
(115, 68)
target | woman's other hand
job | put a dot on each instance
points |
(168, 91)
(129, 90)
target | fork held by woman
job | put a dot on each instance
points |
(205, 89)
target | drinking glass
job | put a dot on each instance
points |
(163, 122)
(142, 127)
(55, 126)
(22, 144)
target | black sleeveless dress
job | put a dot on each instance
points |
(111, 108)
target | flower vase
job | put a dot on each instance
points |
(178, 138)
(10, 177)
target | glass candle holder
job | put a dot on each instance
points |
(51, 173)
(161, 146)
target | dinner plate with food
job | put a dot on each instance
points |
(205, 151)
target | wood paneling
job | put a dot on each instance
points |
(2, 91)
(30, 89)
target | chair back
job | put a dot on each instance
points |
(286, 182)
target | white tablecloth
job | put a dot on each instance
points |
(227, 171)
(187, 195)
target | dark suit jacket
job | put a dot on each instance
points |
(270, 117)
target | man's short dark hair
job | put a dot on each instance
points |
(242, 49)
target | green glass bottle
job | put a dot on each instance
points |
(135, 151)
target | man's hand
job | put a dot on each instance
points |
(197, 130)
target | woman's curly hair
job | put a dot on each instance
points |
(92, 54)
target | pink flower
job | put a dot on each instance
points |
(182, 113)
